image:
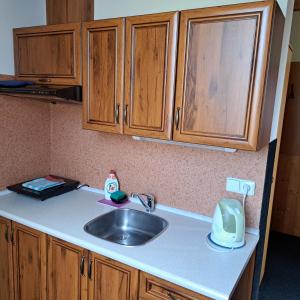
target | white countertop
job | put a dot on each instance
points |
(179, 255)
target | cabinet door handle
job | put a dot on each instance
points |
(125, 114)
(6, 233)
(90, 269)
(82, 266)
(177, 118)
(44, 80)
(171, 296)
(117, 113)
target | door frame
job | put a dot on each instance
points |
(275, 167)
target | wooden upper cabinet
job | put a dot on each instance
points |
(111, 280)
(6, 261)
(30, 257)
(151, 43)
(67, 271)
(69, 11)
(103, 65)
(227, 74)
(49, 54)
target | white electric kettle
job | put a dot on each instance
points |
(228, 226)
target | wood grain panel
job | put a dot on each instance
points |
(80, 10)
(40, 45)
(212, 73)
(150, 47)
(243, 290)
(112, 280)
(103, 75)
(286, 208)
(69, 11)
(65, 280)
(6, 261)
(49, 54)
(29, 251)
(149, 74)
(153, 288)
(297, 5)
(275, 47)
(56, 11)
(290, 135)
(221, 71)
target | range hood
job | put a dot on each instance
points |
(49, 93)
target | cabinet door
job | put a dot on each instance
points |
(151, 43)
(6, 261)
(221, 72)
(66, 271)
(103, 64)
(49, 54)
(111, 280)
(29, 250)
(153, 288)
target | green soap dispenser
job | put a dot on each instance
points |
(111, 184)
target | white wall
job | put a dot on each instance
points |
(121, 8)
(295, 36)
(17, 13)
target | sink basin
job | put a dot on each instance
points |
(127, 227)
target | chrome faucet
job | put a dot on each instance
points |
(147, 201)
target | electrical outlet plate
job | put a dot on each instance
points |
(239, 186)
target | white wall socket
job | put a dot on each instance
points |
(236, 185)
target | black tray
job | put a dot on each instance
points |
(68, 186)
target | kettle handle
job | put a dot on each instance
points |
(239, 222)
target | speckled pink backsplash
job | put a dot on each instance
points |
(39, 138)
(186, 178)
(24, 139)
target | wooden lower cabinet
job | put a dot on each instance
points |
(243, 290)
(153, 288)
(29, 263)
(111, 280)
(66, 270)
(23, 262)
(34, 266)
(75, 273)
(6, 261)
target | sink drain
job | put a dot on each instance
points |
(123, 237)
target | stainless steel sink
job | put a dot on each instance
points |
(127, 227)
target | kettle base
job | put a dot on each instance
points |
(221, 248)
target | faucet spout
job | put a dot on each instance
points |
(147, 201)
